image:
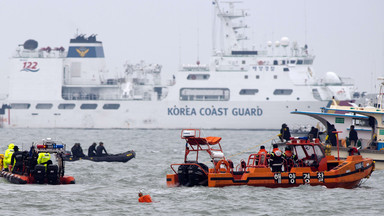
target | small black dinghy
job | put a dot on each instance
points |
(122, 157)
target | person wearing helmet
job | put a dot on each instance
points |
(8, 156)
(276, 160)
(290, 158)
(285, 133)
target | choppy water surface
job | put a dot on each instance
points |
(111, 188)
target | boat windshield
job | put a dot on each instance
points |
(313, 152)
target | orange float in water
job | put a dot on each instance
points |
(312, 167)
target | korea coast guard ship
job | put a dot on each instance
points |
(239, 89)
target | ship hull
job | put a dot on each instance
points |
(161, 114)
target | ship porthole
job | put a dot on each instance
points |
(298, 98)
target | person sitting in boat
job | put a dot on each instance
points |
(144, 198)
(276, 159)
(44, 158)
(290, 158)
(285, 134)
(99, 150)
(77, 151)
(92, 150)
(8, 156)
(17, 160)
(261, 158)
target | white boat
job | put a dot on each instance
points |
(240, 88)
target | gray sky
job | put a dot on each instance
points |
(347, 36)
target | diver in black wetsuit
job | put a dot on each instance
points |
(92, 150)
(99, 150)
(77, 151)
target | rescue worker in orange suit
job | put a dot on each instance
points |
(262, 156)
(144, 198)
(276, 160)
(290, 158)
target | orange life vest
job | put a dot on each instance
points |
(145, 198)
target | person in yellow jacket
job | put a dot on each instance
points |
(8, 156)
(43, 158)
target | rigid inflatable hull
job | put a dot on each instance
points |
(122, 157)
(22, 179)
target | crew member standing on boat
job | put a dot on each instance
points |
(100, 148)
(17, 161)
(8, 156)
(92, 150)
(332, 136)
(285, 134)
(262, 156)
(276, 160)
(290, 158)
(353, 136)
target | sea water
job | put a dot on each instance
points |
(111, 188)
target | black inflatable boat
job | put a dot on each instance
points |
(122, 157)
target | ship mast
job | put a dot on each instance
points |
(230, 37)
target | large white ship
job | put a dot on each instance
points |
(240, 88)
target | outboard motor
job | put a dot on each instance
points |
(182, 173)
(52, 171)
(39, 174)
(196, 175)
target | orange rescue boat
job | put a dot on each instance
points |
(312, 167)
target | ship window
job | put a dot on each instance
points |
(283, 62)
(308, 61)
(66, 106)
(286, 69)
(44, 106)
(360, 122)
(257, 77)
(248, 91)
(243, 62)
(339, 120)
(204, 94)
(299, 61)
(111, 106)
(88, 106)
(293, 61)
(274, 76)
(316, 94)
(20, 106)
(198, 76)
(275, 62)
(282, 92)
(245, 76)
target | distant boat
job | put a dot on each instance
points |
(240, 88)
(367, 120)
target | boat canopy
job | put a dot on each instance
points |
(203, 140)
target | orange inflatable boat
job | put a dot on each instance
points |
(311, 167)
